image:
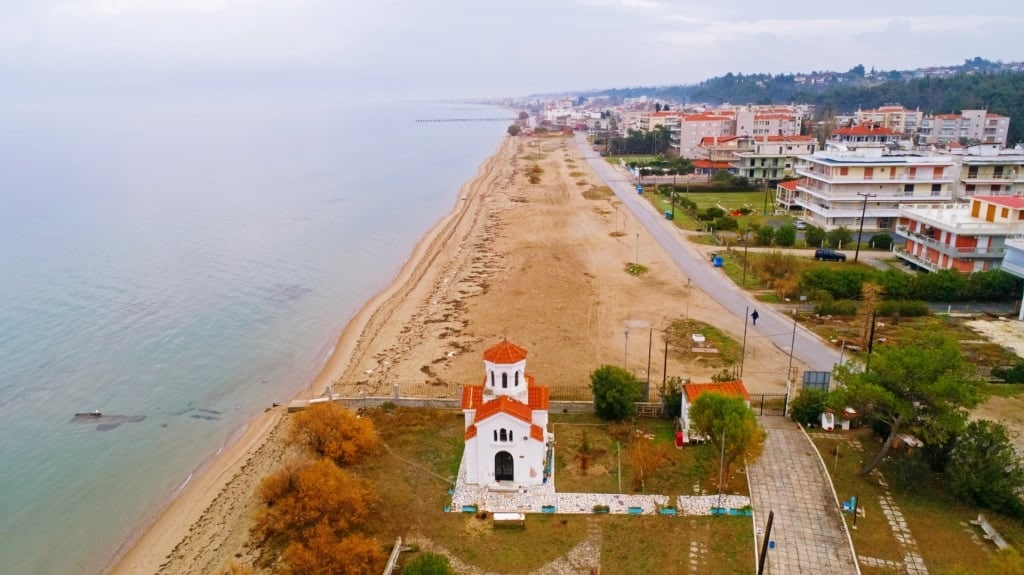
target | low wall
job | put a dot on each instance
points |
(453, 404)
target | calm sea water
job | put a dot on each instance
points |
(184, 263)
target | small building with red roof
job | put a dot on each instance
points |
(691, 391)
(506, 418)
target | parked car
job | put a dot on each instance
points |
(825, 254)
(800, 225)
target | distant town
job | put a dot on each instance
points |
(947, 186)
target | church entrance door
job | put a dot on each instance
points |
(503, 466)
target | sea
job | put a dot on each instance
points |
(179, 263)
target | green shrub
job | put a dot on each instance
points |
(428, 564)
(903, 308)
(726, 224)
(906, 471)
(806, 408)
(785, 236)
(712, 213)
(836, 307)
(615, 391)
(814, 236)
(1012, 374)
(882, 241)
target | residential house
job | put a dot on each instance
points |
(964, 237)
(785, 195)
(691, 391)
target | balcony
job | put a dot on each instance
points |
(976, 252)
(919, 262)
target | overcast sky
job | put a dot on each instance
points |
(478, 48)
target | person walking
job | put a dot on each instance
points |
(754, 316)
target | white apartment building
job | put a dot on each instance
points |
(894, 117)
(772, 157)
(837, 186)
(976, 126)
(693, 128)
(963, 237)
(988, 170)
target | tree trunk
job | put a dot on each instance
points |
(884, 450)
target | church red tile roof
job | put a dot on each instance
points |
(539, 397)
(472, 396)
(537, 432)
(471, 432)
(505, 353)
(735, 388)
(505, 404)
(864, 130)
(704, 164)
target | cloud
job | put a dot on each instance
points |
(471, 47)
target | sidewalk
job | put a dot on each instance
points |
(809, 533)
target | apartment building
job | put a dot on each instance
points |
(650, 121)
(836, 186)
(988, 170)
(974, 126)
(693, 128)
(894, 117)
(772, 157)
(964, 237)
(768, 121)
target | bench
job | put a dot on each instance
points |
(505, 519)
(990, 532)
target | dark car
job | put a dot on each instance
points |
(826, 254)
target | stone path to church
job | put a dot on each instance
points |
(809, 535)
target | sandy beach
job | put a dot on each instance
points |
(542, 264)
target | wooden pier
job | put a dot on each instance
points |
(438, 120)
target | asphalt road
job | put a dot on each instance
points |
(807, 346)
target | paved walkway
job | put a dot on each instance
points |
(809, 533)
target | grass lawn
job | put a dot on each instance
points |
(938, 524)
(588, 454)
(425, 448)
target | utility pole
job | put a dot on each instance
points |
(789, 369)
(743, 353)
(860, 232)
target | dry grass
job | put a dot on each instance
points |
(429, 442)
(938, 524)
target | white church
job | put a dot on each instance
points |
(506, 423)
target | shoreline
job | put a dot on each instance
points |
(148, 549)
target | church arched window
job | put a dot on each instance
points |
(495, 435)
(504, 437)
(504, 380)
(517, 379)
(492, 379)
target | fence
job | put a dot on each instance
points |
(768, 403)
